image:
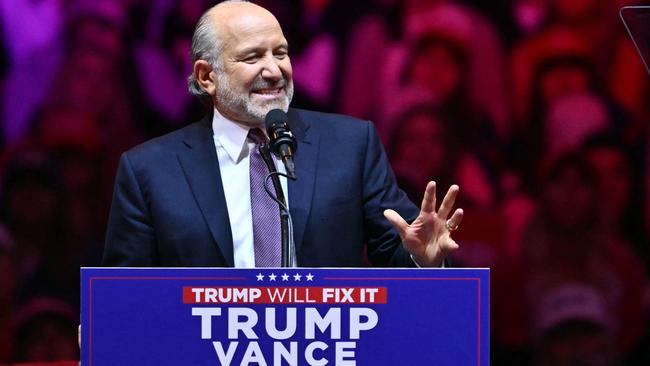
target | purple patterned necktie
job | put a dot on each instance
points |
(265, 211)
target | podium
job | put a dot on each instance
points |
(284, 316)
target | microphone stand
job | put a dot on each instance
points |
(289, 258)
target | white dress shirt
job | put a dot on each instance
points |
(233, 151)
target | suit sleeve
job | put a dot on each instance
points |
(130, 237)
(380, 193)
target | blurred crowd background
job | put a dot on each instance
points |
(538, 109)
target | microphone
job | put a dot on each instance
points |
(282, 142)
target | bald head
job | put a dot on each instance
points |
(230, 15)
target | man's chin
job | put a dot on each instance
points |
(261, 109)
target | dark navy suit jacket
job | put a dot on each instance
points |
(169, 208)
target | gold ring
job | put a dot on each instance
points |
(449, 227)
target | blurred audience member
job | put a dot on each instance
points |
(381, 48)
(32, 207)
(566, 105)
(46, 330)
(160, 95)
(424, 148)
(618, 182)
(593, 28)
(567, 24)
(319, 36)
(98, 24)
(567, 242)
(574, 326)
(557, 63)
(479, 55)
(90, 90)
(439, 67)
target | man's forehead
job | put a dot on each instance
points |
(238, 20)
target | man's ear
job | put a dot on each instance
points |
(202, 73)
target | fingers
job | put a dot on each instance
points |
(397, 221)
(448, 202)
(456, 218)
(429, 199)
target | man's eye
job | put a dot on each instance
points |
(280, 55)
(251, 59)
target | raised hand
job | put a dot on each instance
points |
(428, 238)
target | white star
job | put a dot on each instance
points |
(272, 277)
(260, 276)
(285, 277)
(297, 277)
(309, 277)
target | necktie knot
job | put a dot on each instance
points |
(257, 136)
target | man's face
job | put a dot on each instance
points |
(254, 73)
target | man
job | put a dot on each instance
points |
(189, 198)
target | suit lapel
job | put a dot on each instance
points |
(201, 168)
(301, 190)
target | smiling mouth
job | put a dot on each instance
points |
(270, 92)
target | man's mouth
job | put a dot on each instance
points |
(268, 94)
(268, 91)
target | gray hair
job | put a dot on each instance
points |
(206, 46)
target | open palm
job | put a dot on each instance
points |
(428, 237)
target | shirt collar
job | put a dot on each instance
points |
(231, 136)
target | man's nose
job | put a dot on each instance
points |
(271, 69)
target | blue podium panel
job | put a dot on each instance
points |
(302, 316)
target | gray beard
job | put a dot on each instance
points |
(238, 105)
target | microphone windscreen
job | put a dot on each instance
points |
(275, 117)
